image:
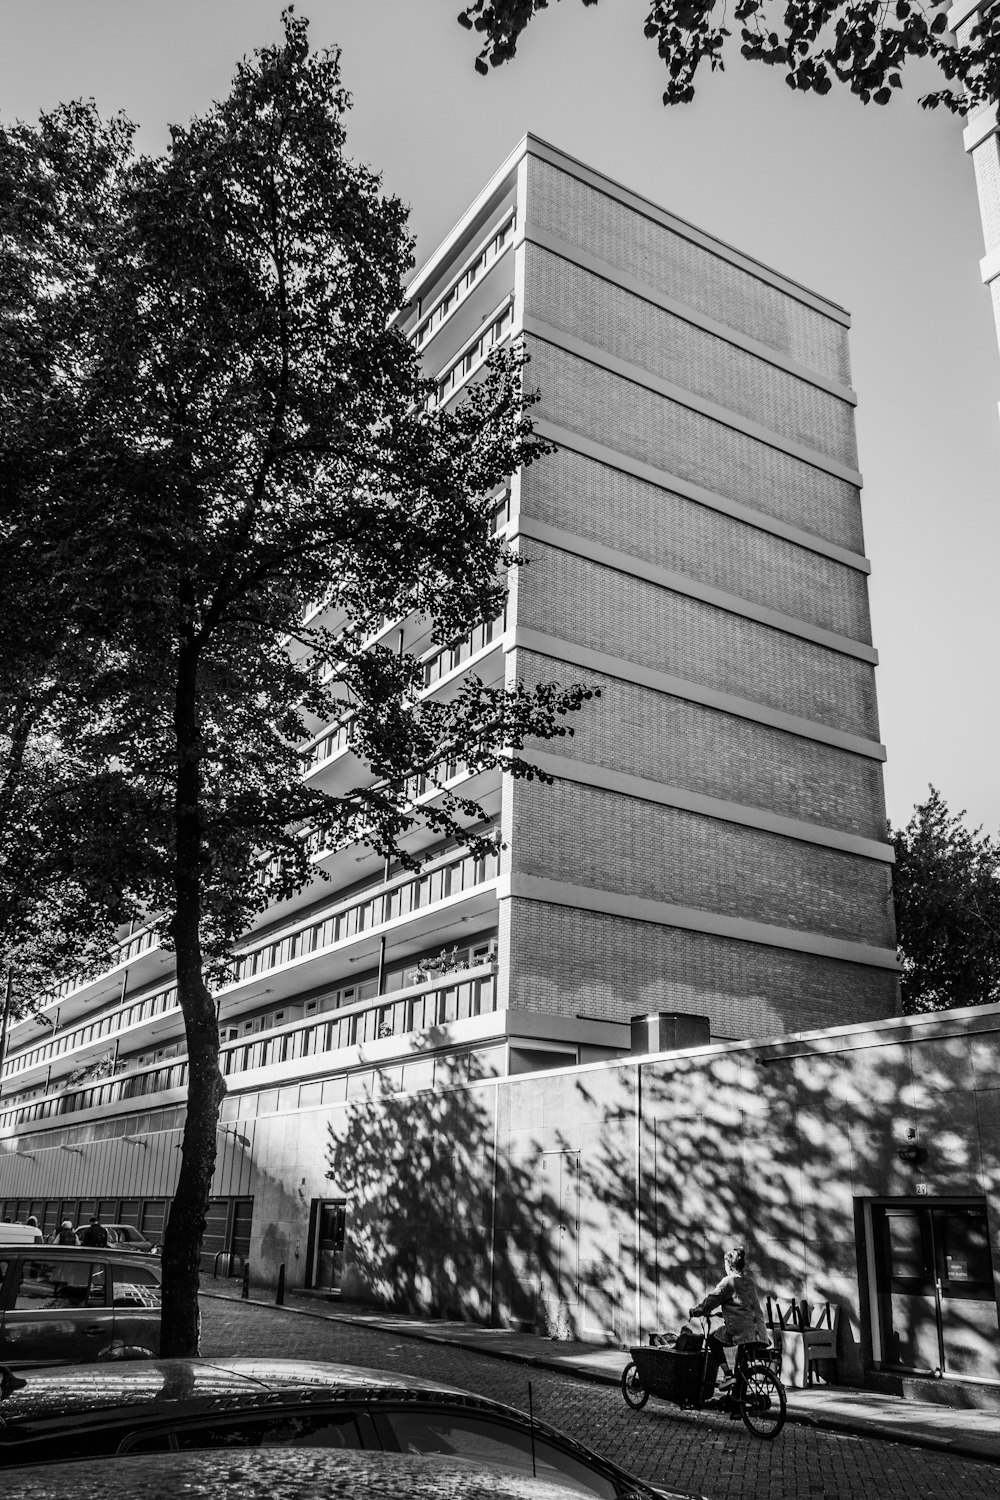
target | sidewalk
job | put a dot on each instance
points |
(965, 1433)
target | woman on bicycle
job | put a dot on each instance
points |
(738, 1300)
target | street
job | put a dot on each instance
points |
(700, 1453)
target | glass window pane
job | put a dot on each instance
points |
(491, 1441)
(905, 1245)
(135, 1286)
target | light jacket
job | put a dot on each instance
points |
(738, 1300)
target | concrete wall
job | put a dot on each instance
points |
(598, 1201)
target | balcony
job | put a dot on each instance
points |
(460, 888)
(483, 259)
(141, 956)
(462, 882)
(328, 759)
(457, 996)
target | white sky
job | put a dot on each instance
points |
(875, 208)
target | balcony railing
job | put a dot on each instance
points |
(449, 657)
(94, 1031)
(434, 667)
(337, 738)
(485, 257)
(469, 994)
(474, 354)
(126, 952)
(461, 874)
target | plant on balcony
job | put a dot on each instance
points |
(251, 432)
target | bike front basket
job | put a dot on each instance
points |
(670, 1375)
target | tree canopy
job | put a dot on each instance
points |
(861, 44)
(946, 886)
(248, 434)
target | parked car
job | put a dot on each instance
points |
(129, 1238)
(20, 1234)
(284, 1474)
(62, 1304)
(176, 1405)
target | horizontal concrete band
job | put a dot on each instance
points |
(638, 375)
(646, 790)
(963, 9)
(555, 245)
(989, 266)
(571, 653)
(692, 919)
(680, 583)
(578, 442)
(533, 145)
(980, 128)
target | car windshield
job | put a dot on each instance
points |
(494, 1442)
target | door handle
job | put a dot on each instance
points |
(94, 1328)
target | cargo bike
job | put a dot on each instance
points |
(680, 1375)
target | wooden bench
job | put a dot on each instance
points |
(807, 1332)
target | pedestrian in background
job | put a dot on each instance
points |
(95, 1234)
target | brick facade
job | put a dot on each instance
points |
(684, 442)
(696, 532)
(560, 202)
(645, 733)
(599, 503)
(574, 962)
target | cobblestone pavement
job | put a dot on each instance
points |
(693, 1452)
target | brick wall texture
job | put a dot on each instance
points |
(593, 500)
(606, 610)
(582, 961)
(573, 962)
(632, 420)
(607, 841)
(986, 161)
(634, 329)
(674, 265)
(641, 732)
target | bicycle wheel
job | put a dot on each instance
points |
(761, 1398)
(632, 1390)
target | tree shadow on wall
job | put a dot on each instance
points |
(780, 1151)
(439, 1221)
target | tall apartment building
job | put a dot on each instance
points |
(713, 840)
(981, 139)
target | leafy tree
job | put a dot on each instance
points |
(61, 892)
(252, 433)
(946, 886)
(863, 44)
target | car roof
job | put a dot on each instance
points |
(67, 1390)
(138, 1256)
(283, 1474)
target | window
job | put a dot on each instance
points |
(53, 1284)
(277, 1429)
(135, 1286)
(492, 1441)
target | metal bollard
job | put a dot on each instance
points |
(245, 1293)
(279, 1296)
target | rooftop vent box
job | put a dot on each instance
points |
(668, 1031)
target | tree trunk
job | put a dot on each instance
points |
(188, 1211)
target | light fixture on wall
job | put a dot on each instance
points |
(77, 1149)
(912, 1156)
(135, 1140)
(28, 1155)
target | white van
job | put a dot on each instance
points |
(20, 1234)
